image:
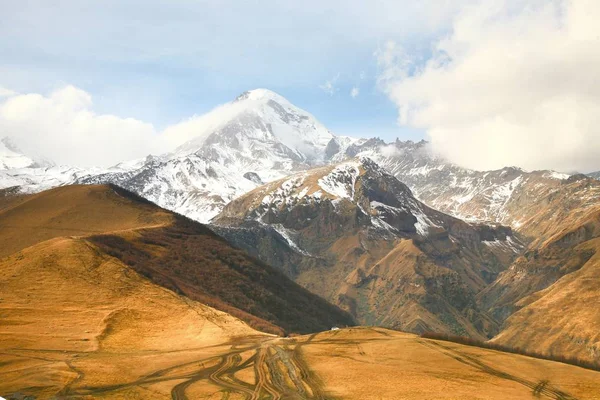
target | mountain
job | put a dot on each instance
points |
(555, 280)
(595, 175)
(32, 174)
(357, 236)
(481, 196)
(166, 249)
(553, 214)
(257, 138)
(261, 137)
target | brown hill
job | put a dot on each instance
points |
(72, 211)
(69, 311)
(549, 293)
(562, 319)
(171, 251)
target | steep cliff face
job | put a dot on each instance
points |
(355, 235)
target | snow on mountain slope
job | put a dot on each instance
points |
(386, 203)
(478, 196)
(595, 175)
(265, 121)
(261, 137)
(354, 234)
(31, 174)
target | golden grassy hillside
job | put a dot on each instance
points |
(354, 363)
(74, 318)
(562, 319)
(170, 250)
(72, 211)
(547, 295)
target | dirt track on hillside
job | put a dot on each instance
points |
(366, 363)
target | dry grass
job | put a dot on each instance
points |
(562, 319)
(373, 363)
(72, 317)
(73, 211)
(592, 365)
(191, 260)
(354, 363)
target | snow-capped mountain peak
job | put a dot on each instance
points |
(258, 137)
(261, 94)
(263, 122)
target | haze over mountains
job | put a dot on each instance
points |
(313, 230)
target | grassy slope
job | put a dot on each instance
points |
(355, 363)
(190, 259)
(180, 254)
(63, 303)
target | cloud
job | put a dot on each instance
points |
(186, 55)
(513, 83)
(198, 127)
(4, 92)
(329, 86)
(63, 127)
(354, 92)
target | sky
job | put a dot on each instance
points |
(489, 82)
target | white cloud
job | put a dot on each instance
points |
(199, 127)
(329, 86)
(63, 127)
(514, 83)
(354, 92)
(4, 92)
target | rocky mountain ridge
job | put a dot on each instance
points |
(357, 236)
(261, 137)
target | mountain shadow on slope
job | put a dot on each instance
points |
(191, 260)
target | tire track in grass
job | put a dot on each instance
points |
(537, 388)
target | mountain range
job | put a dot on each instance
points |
(263, 137)
(392, 234)
(355, 235)
(106, 295)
